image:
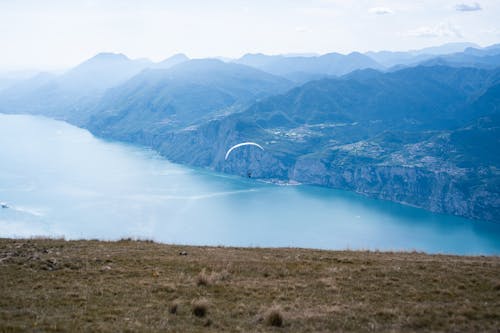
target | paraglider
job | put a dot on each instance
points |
(240, 145)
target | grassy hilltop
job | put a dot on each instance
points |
(57, 285)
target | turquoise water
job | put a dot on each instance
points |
(59, 180)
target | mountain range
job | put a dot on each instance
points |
(419, 127)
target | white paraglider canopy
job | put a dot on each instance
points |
(241, 144)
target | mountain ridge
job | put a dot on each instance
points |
(420, 135)
(424, 162)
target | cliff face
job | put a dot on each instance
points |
(439, 192)
(441, 171)
(436, 191)
(207, 146)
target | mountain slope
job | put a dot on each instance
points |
(171, 61)
(72, 94)
(425, 136)
(183, 95)
(101, 72)
(427, 97)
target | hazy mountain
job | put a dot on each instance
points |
(101, 72)
(171, 61)
(471, 57)
(394, 58)
(301, 68)
(31, 84)
(258, 60)
(38, 94)
(183, 95)
(486, 51)
(461, 60)
(425, 136)
(10, 78)
(73, 92)
(301, 54)
(445, 48)
(6, 82)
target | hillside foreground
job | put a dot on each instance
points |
(57, 285)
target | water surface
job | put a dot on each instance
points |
(59, 180)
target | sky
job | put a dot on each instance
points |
(56, 34)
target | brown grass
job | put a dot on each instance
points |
(56, 285)
(199, 307)
(203, 278)
(172, 308)
(274, 317)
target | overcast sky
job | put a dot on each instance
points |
(52, 34)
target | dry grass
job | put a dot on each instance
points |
(205, 279)
(199, 307)
(274, 317)
(172, 308)
(56, 285)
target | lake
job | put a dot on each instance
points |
(60, 181)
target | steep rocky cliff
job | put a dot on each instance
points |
(418, 157)
(426, 181)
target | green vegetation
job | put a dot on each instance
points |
(57, 285)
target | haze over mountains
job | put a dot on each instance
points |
(418, 127)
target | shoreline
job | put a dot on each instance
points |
(273, 181)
